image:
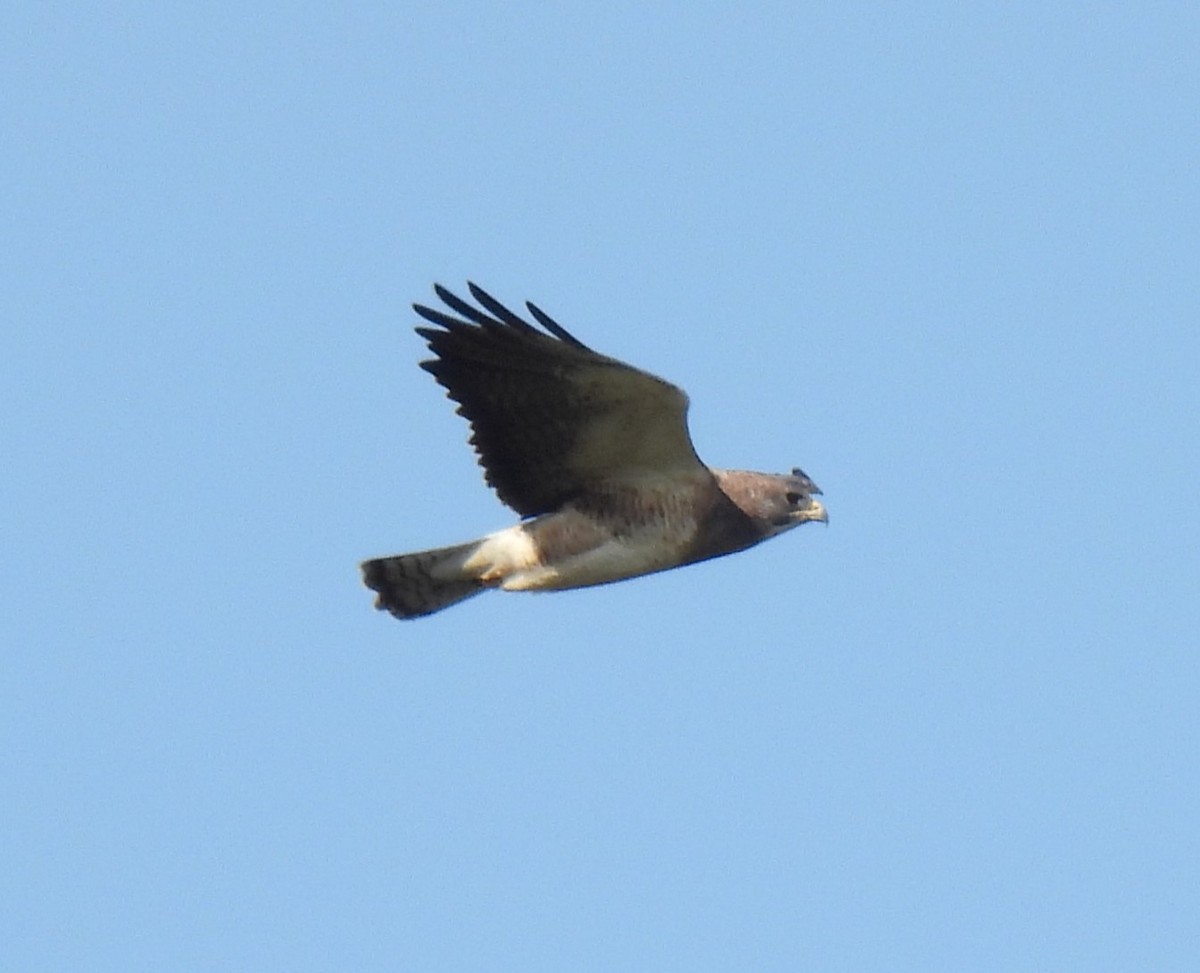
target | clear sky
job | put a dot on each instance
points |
(943, 256)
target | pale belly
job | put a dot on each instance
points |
(568, 551)
(611, 561)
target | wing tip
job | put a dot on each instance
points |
(554, 327)
(501, 319)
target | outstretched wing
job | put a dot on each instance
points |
(549, 416)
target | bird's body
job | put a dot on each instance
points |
(593, 452)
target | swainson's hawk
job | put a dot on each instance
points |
(593, 454)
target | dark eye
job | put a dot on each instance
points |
(792, 498)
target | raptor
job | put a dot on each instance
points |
(592, 453)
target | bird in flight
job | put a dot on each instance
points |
(594, 455)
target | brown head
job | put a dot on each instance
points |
(776, 502)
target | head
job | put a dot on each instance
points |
(777, 502)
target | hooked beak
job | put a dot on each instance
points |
(816, 511)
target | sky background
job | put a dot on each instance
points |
(943, 256)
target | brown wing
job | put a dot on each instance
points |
(549, 416)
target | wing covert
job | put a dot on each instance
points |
(549, 416)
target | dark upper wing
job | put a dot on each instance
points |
(548, 415)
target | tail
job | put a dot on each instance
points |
(412, 585)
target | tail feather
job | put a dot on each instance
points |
(412, 585)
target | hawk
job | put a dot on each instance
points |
(594, 455)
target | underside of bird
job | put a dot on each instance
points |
(550, 553)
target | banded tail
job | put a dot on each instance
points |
(412, 585)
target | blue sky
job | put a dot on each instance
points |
(943, 256)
